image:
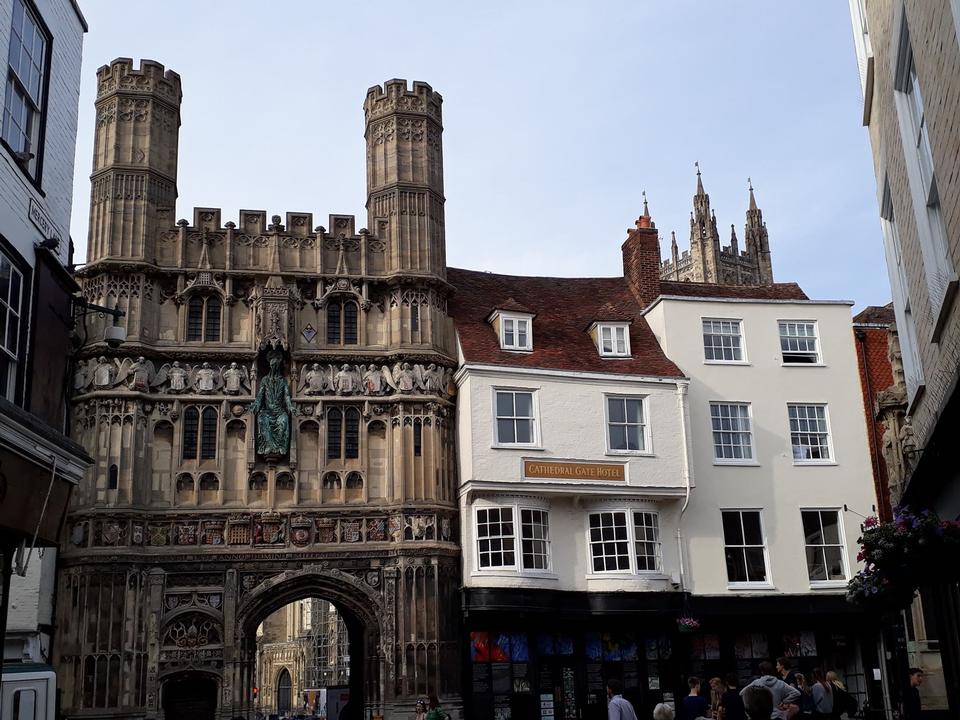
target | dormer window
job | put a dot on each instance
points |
(613, 339)
(515, 333)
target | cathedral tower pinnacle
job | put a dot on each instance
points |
(704, 238)
(756, 240)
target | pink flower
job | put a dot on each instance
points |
(870, 522)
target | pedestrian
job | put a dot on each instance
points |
(843, 701)
(805, 703)
(663, 712)
(717, 686)
(694, 705)
(436, 712)
(420, 710)
(758, 702)
(731, 704)
(784, 696)
(618, 707)
(822, 692)
(912, 707)
(786, 672)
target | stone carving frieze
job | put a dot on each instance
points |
(142, 375)
(372, 380)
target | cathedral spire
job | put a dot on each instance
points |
(699, 180)
(753, 200)
(756, 240)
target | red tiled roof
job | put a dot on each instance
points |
(875, 315)
(775, 291)
(564, 308)
(511, 305)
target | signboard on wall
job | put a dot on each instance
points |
(569, 470)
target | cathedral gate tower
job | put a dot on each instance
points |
(278, 425)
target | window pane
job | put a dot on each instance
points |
(333, 322)
(212, 330)
(811, 527)
(524, 404)
(634, 411)
(616, 410)
(504, 404)
(524, 431)
(815, 563)
(521, 333)
(195, 319)
(633, 437)
(350, 323)
(736, 565)
(732, 531)
(751, 528)
(508, 340)
(756, 566)
(505, 431)
(831, 527)
(15, 296)
(621, 341)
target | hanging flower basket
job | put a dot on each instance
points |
(688, 624)
(900, 555)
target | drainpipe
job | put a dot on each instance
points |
(686, 471)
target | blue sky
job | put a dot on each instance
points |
(556, 114)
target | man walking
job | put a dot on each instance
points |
(618, 708)
(911, 698)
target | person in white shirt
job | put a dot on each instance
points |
(618, 708)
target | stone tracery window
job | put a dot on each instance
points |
(343, 434)
(342, 322)
(200, 433)
(191, 631)
(203, 318)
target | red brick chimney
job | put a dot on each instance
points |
(641, 260)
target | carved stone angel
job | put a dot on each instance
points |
(402, 378)
(347, 380)
(137, 373)
(207, 379)
(235, 378)
(82, 376)
(314, 379)
(372, 380)
(104, 373)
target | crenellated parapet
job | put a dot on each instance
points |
(394, 96)
(121, 76)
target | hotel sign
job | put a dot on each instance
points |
(563, 470)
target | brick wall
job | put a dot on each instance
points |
(875, 375)
(937, 58)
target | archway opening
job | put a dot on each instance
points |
(303, 662)
(189, 696)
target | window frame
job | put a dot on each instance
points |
(818, 352)
(743, 341)
(939, 273)
(614, 327)
(767, 582)
(752, 461)
(645, 433)
(844, 555)
(517, 569)
(342, 326)
(633, 568)
(348, 448)
(535, 438)
(832, 460)
(204, 318)
(32, 168)
(16, 359)
(502, 317)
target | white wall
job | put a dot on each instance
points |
(775, 484)
(60, 137)
(31, 604)
(572, 426)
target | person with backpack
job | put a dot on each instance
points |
(843, 701)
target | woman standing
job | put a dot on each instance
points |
(805, 701)
(822, 692)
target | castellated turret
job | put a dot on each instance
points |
(134, 179)
(405, 175)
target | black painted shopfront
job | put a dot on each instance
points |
(548, 654)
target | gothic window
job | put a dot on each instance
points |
(203, 319)
(414, 317)
(208, 434)
(334, 433)
(354, 481)
(200, 433)
(417, 437)
(113, 479)
(343, 434)
(191, 427)
(342, 322)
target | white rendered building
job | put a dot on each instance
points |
(653, 475)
